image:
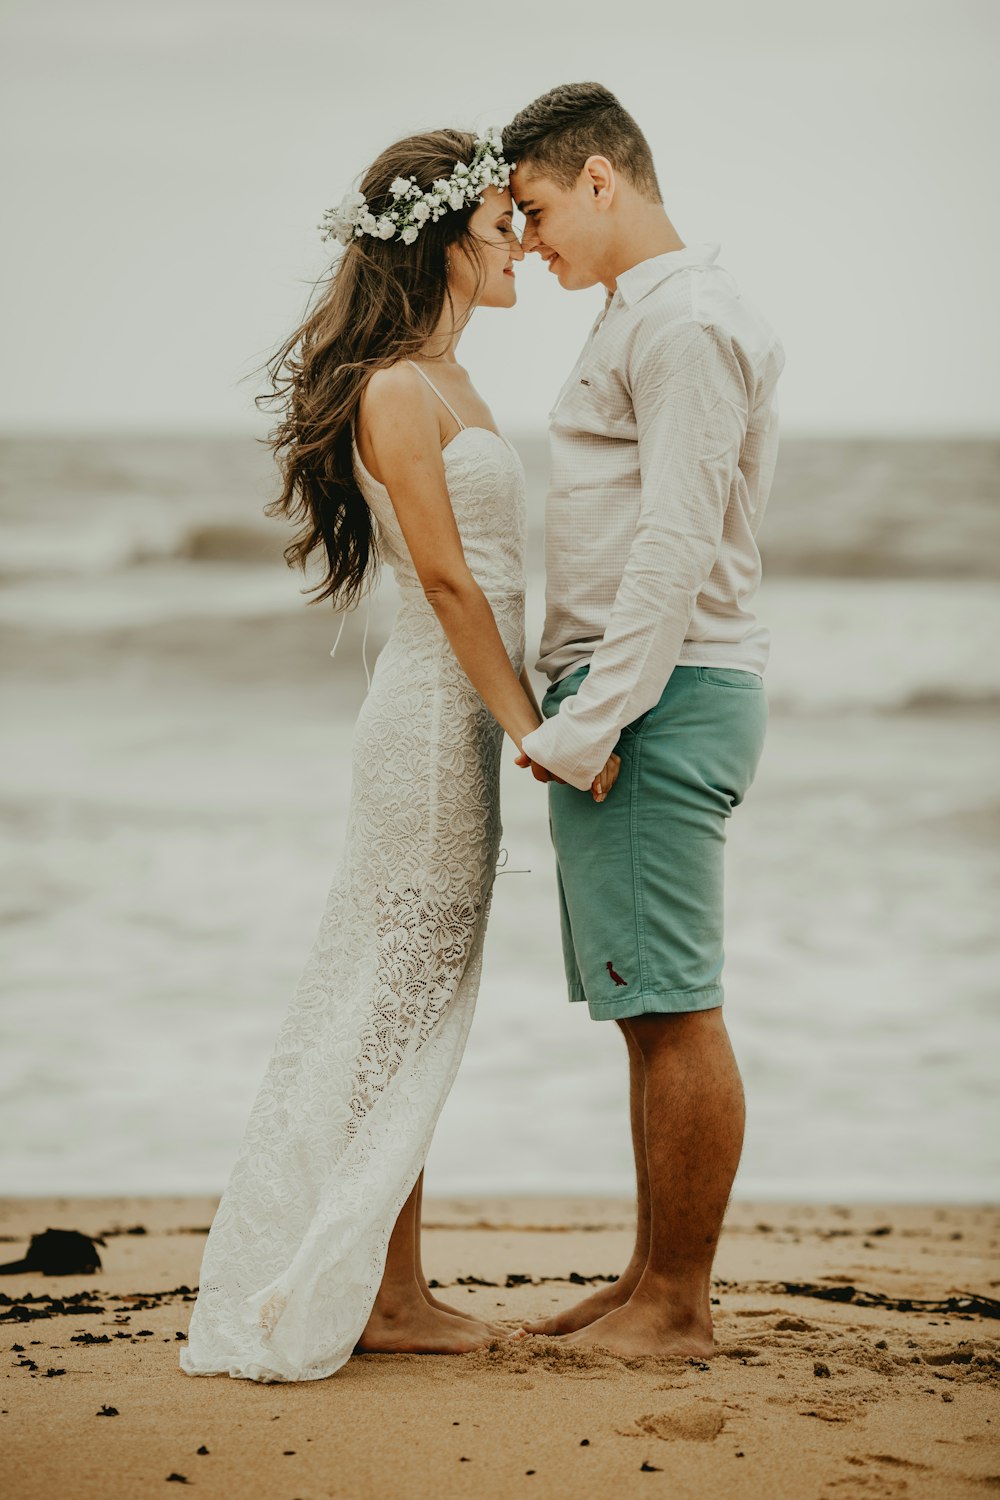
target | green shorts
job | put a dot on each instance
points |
(640, 875)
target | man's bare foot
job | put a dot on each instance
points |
(589, 1309)
(418, 1328)
(644, 1327)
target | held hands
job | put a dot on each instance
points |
(602, 783)
(605, 780)
(538, 771)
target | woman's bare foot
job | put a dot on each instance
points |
(496, 1329)
(414, 1327)
(581, 1314)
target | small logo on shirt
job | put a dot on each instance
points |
(616, 977)
(584, 382)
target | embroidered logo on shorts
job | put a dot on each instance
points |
(616, 977)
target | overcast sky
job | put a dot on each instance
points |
(166, 164)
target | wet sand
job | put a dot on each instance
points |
(858, 1354)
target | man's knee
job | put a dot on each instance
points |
(663, 1029)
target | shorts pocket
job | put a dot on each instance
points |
(564, 688)
(731, 677)
(629, 731)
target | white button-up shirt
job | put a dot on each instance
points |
(663, 446)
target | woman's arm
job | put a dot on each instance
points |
(526, 683)
(402, 431)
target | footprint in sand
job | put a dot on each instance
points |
(866, 1356)
(892, 1462)
(696, 1422)
(832, 1411)
(744, 1353)
(871, 1486)
(865, 1480)
(963, 1355)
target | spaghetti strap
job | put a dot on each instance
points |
(437, 393)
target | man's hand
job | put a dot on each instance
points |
(602, 783)
(539, 772)
(605, 780)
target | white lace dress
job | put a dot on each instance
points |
(368, 1051)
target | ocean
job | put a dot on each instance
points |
(174, 792)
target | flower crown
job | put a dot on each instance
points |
(411, 206)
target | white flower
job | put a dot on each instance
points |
(412, 206)
(338, 223)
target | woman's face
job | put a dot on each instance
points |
(499, 247)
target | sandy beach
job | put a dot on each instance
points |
(858, 1354)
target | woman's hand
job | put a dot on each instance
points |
(600, 787)
(539, 772)
(605, 780)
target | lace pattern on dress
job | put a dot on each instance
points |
(369, 1047)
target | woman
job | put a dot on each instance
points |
(315, 1248)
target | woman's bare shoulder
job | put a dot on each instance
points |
(397, 419)
(395, 390)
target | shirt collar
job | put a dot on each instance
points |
(639, 280)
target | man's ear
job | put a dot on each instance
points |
(600, 178)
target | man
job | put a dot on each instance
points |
(663, 445)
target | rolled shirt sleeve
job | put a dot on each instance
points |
(690, 396)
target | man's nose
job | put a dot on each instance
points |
(529, 237)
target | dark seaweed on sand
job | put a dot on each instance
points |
(44, 1305)
(41, 1305)
(970, 1303)
(58, 1252)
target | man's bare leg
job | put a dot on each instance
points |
(617, 1294)
(402, 1321)
(429, 1296)
(694, 1116)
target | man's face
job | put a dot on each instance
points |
(560, 224)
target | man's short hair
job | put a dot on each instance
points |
(558, 132)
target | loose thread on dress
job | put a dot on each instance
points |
(364, 642)
(501, 866)
(340, 632)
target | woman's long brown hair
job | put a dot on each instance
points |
(379, 304)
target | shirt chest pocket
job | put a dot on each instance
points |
(598, 403)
